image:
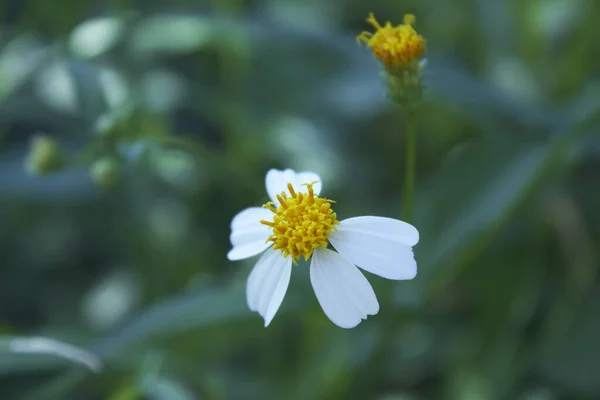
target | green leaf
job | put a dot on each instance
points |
(468, 205)
(574, 362)
(177, 315)
(96, 36)
(41, 352)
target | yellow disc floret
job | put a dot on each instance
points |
(301, 223)
(395, 46)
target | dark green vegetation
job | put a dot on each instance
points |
(169, 113)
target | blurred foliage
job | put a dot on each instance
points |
(167, 114)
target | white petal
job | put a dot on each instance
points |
(247, 251)
(250, 216)
(276, 182)
(268, 283)
(379, 245)
(344, 293)
(246, 227)
(248, 235)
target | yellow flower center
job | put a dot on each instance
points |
(397, 46)
(301, 223)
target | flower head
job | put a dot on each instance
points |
(302, 222)
(298, 223)
(396, 46)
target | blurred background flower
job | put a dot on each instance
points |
(160, 119)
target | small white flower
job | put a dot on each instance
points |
(297, 222)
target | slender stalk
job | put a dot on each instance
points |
(409, 172)
(375, 370)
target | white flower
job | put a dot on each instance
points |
(299, 223)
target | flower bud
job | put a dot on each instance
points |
(105, 172)
(45, 156)
(400, 49)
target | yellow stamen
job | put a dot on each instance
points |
(301, 224)
(291, 190)
(271, 224)
(270, 205)
(282, 200)
(398, 46)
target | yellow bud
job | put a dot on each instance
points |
(395, 46)
(400, 49)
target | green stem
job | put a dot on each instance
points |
(409, 172)
(375, 370)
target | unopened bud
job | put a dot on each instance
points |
(45, 156)
(400, 49)
(105, 172)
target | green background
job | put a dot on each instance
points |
(186, 104)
